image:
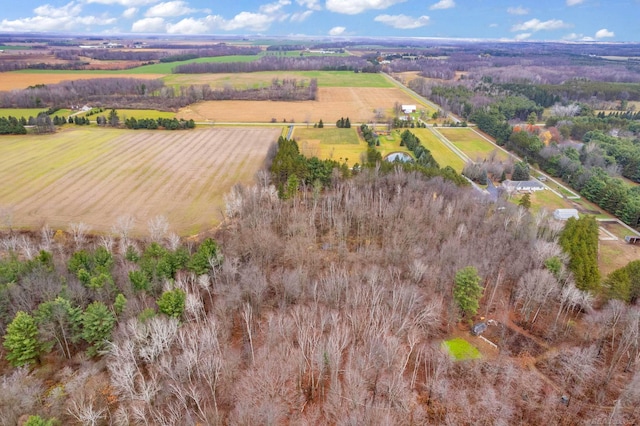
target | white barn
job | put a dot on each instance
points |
(408, 109)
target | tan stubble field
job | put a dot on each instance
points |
(357, 103)
(96, 175)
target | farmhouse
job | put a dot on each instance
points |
(565, 214)
(522, 185)
(408, 109)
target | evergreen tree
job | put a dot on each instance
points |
(207, 256)
(320, 124)
(467, 290)
(579, 239)
(172, 302)
(97, 322)
(525, 201)
(21, 340)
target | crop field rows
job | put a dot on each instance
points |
(90, 176)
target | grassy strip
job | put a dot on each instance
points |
(442, 154)
(471, 144)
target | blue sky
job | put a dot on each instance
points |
(575, 20)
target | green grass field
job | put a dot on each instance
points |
(330, 143)
(461, 350)
(471, 144)
(139, 114)
(442, 154)
(545, 199)
(391, 143)
(346, 79)
(21, 112)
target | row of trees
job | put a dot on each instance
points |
(281, 63)
(12, 126)
(165, 123)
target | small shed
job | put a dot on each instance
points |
(632, 239)
(565, 214)
(479, 328)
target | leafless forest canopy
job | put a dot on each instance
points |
(331, 308)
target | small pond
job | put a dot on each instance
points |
(398, 156)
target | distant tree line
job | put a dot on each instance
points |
(148, 94)
(277, 63)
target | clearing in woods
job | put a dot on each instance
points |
(330, 144)
(357, 103)
(95, 175)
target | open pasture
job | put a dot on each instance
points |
(471, 143)
(139, 114)
(21, 112)
(357, 103)
(330, 143)
(96, 175)
(24, 79)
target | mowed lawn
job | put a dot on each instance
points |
(330, 143)
(471, 143)
(460, 349)
(442, 154)
(95, 175)
(21, 112)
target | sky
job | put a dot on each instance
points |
(570, 20)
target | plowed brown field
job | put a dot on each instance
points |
(357, 103)
(10, 81)
(94, 176)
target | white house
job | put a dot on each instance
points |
(565, 214)
(522, 185)
(408, 109)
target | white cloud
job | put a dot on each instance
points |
(537, 25)
(169, 9)
(126, 3)
(522, 36)
(149, 25)
(402, 22)
(443, 4)
(310, 4)
(336, 31)
(188, 26)
(50, 18)
(574, 2)
(70, 9)
(493, 25)
(130, 13)
(353, 7)
(518, 11)
(248, 20)
(301, 16)
(603, 33)
(276, 7)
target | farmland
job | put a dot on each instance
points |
(442, 154)
(95, 176)
(357, 103)
(24, 79)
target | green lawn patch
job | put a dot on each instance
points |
(139, 114)
(461, 350)
(346, 79)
